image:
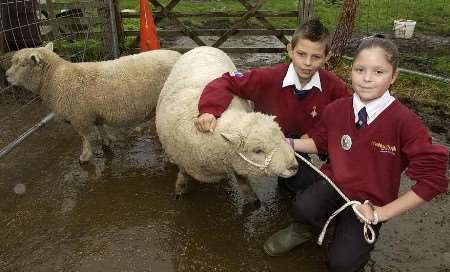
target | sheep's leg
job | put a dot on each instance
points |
(86, 148)
(247, 192)
(106, 137)
(181, 184)
(86, 153)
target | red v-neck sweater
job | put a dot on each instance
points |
(263, 86)
(396, 140)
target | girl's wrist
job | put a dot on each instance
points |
(381, 214)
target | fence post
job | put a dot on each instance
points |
(119, 24)
(113, 25)
(110, 40)
(52, 18)
(305, 10)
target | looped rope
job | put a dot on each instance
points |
(367, 224)
(267, 161)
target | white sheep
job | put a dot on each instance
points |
(243, 144)
(117, 92)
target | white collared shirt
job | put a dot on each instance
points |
(291, 78)
(373, 108)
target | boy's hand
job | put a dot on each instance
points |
(206, 122)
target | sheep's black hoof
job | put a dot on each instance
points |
(251, 206)
(177, 196)
(107, 151)
(83, 163)
(88, 167)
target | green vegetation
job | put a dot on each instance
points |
(429, 55)
(432, 16)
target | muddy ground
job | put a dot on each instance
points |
(119, 213)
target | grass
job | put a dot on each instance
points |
(432, 16)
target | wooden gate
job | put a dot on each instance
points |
(236, 29)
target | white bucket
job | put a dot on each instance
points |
(404, 29)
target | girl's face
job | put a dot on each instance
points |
(372, 74)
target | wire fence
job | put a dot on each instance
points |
(79, 31)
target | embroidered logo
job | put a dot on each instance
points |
(384, 148)
(236, 74)
(313, 113)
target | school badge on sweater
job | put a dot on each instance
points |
(313, 113)
(346, 142)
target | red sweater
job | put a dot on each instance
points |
(263, 86)
(379, 153)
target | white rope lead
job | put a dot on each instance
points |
(370, 238)
(266, 161)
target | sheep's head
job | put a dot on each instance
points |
(28, 66)
(260, 148)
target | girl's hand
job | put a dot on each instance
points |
(366, 211)
(370, 212)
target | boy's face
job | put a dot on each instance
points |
(372, 74)
(307, 57)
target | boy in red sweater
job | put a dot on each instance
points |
(371, 139)
(294, 93)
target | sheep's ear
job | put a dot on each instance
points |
(234, 138)
(49, 46)
(36, 59)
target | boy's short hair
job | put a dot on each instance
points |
(314, 31)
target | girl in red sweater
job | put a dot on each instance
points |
(371, 138)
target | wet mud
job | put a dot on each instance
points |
(119, 214)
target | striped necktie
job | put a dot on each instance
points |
(362, 118)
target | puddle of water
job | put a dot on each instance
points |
(119, 213)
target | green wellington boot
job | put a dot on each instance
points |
(286, 239)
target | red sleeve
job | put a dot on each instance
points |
(427, 162)
(341, 89)
(336, 87)
(217, 94)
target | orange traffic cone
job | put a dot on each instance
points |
(149, 38)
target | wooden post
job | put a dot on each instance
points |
(52, 19)
(305, 10)
(113, 25)
(2, 43)
(119, 24)
(110, 41)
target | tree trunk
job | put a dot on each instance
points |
(343, 33)
(305, 10)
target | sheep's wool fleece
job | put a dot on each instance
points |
(114, 92)
(202, 155)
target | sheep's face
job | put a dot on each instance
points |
(261, 148)
(27, 68)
